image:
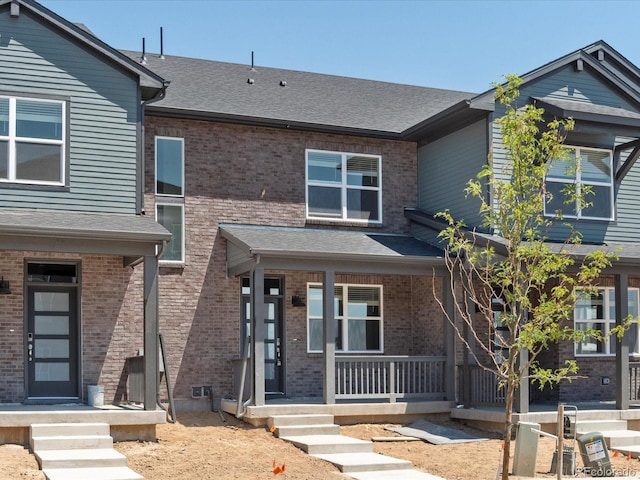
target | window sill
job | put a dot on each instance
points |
(171, 265)
(343, 223)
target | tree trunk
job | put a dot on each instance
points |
(506, 452)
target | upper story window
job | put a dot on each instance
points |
(170, 166)
(32, 141)
(344, 186)
(598, 312)
(170, 195)
(358, 317)
(583, 166)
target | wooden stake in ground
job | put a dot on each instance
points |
(560, 441)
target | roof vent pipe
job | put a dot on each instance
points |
(252, 64)
(143, 59)
(161, 44)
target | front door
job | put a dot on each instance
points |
(52, 341)
(273, 332)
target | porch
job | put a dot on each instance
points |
(367, 389)
(127, 422)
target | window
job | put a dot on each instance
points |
(343, 186)
(583, 167)
(598, 312)
(32, 141)
(170, 166)
(358, 319)
(171, 216)
(170, 194)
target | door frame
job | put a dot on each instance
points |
(29, 398)
(281, 322)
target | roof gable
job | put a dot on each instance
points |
(620, 74)
(150, 82)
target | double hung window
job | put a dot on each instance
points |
(597, 311)
(582, 169)
(32, 141)
(344, 186)
(358, 318)
(170, 194)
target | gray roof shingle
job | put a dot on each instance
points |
(210, 88)
(304, 242)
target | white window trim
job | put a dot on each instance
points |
(345, 320)
(12, 139)
(608, 324)
(343, 188)
(182, 246)
(578, 182)
(155, 146)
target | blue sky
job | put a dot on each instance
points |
(455, 44)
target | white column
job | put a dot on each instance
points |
(329, 339)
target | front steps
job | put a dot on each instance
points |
(320, 437)
(70, 451)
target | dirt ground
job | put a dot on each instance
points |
(202, 446)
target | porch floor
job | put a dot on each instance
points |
(492, 418)
(127, 422)
(344, 412)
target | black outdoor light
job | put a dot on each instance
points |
(298, 301)
(4, 287)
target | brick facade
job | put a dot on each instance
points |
(110, 321)
(252, 175)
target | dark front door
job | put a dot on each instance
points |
(273, 332)
(52, 342)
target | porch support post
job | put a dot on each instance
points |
(329, 339)
(522, 393)
(257, 335)
(622, 344)
(150, 362)
(449, 338)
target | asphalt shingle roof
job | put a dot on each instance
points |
(82, 225)
(203, 87)
(303, 242)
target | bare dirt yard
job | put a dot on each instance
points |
(202, 446)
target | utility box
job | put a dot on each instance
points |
(526, 454)
(595, 455)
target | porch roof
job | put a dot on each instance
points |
(319, 250)
(57, 231)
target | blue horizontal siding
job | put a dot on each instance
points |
(103, 117)
(586, 86)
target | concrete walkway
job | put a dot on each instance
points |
(320, 437)
(78, 451)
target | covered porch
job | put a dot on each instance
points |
(353, 384)
(60, 270)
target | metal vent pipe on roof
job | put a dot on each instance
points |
(161, 44)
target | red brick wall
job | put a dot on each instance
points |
(254, 175)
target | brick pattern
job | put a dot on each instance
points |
(111, 320)
(254, 175)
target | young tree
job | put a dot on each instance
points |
(513, 277)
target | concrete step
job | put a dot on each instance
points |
(69, 442)
(587, 426)
(364, 462)
(72, 429)
(83, 458)
(298, 430)
(110, 473)
(408, 474)
(295, 420)
(620, 438)
(318, 444)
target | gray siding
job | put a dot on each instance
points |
(103, 117)
(444, 168)
(585, 86)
